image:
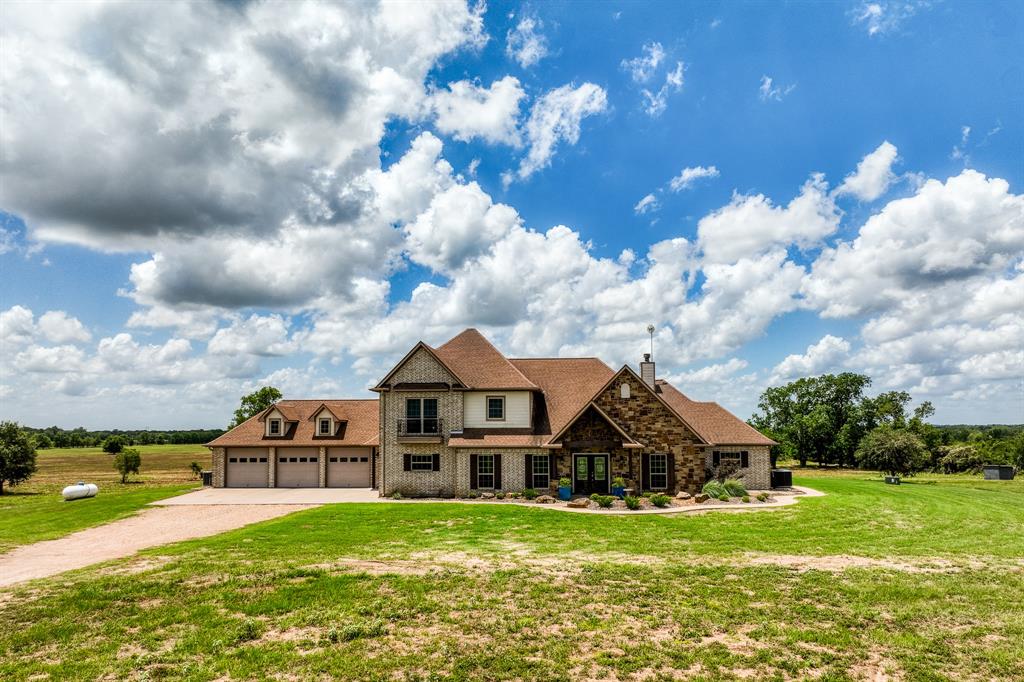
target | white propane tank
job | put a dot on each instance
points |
(79, 491)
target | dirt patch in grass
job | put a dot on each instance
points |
(383, 566)
(876, 668)
(842, 562)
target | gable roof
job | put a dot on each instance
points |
(711, 421)
(321, 408)
(382, 384)
(360, 425)
(479, 365)
(283, 409)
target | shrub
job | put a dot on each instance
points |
(128, 461)
(632, 502)
(499, 495)
(892, 451)
(594, 496)
(197, 470)
(714, 489)
(113, 445)
(734, 488)
(604, 501)
(961, 458)
(396, 495)
(746, 498)
(473, 494)
(762, 497)
(530, 494)
(618, 482)
(660, 500)
(564, 482)
(724, 497)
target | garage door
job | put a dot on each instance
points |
(348, 467)
(247, 468)
(298, 468)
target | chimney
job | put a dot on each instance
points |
(647, 370)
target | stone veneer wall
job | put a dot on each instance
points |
(758, 476)
(651, 423)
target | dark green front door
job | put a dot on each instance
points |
(590, 474)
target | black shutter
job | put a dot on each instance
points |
(437, 462)
(472, 472)
(645, 471)
(407, 461)
(744, 459)
(529, 471)
(497, 472)
(553, 468)
(670, 462)
(716, 459)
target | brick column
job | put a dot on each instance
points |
(272, 472)
(217, 457)
(323, 467)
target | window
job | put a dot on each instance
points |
(495, 408)
(232, 459)
(421, 416)
(422, 463)
(659, 472)
(541, 472)
(325, 426)
(739, 460)
(624, 391)
(275, 427)
(485, 471)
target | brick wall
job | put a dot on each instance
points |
(217, 458)
(758, 476)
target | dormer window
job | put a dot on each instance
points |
(274, 427)
(495, 408)
(324, 426)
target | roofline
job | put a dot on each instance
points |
(604, 415)
(504, 357)
(433, 353)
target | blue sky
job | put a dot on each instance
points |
(304, 192)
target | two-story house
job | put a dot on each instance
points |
(462, 417)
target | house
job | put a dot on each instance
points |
(462, 417)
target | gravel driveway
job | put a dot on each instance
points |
(152, 527)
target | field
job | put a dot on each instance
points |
(921, 581)
(35, 510)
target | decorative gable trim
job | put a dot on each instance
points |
(627, 440)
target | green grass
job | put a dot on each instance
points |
(431, 591)
(35, 510)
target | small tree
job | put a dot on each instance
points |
(128, 461)
(42, 441)
(113, 445)
(893, 451)
(17, 455)
(197, 470)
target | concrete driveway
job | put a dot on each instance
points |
(232, 496)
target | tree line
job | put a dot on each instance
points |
(828, 420)
(56, 437)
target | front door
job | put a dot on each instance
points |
(590, 474)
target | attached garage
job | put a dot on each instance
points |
(246, 468)
(348, 467)
(298, 468)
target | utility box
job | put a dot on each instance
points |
(207, 478)
(782, 478)
(998, 472)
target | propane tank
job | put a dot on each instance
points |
(79, 491)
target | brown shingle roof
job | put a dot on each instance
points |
(480, 365)
(568, 385)
(360, 427)
(496, 438)
(713, 423)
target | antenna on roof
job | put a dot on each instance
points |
(650, 330)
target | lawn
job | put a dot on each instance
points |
(35, 510)
(921, 581)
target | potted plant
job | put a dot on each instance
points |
(619, 487)
(564, 488)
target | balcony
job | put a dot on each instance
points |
(420, 430)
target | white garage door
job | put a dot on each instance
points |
(247, 468)
(348, 467)
(298, 468)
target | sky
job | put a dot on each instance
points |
(198, 199)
